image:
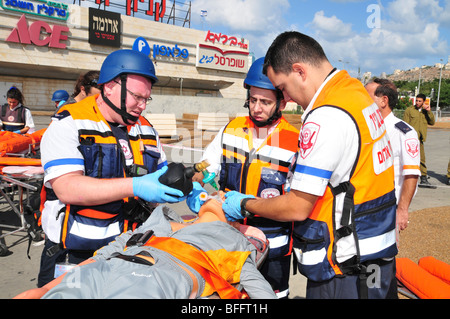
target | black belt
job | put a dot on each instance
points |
(135, 259)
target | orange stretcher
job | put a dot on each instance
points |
(430, 279)
(14, 149)
(13, 143)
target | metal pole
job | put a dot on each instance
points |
(439, 93)
(420, 76)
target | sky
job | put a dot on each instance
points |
(377, 36)
(357, 35)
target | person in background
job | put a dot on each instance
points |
(60, 97)
(419, 116)
(448, 173)
(86, 85)
(405, 146)
(15, 116)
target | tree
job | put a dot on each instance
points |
(404, 103)
(405, 87)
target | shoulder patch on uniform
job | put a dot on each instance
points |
(61, 115)
(402, 126)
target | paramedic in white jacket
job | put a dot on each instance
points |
(405, 145)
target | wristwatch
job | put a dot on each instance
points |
(244, 212)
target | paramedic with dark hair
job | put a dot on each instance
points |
(93, 153)
(254, 155)
(15, 117)
(405, 146)
(86, 85)
(342, 196)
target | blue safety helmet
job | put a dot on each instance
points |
(121, 63)
(60, 95)
(126, 62)
(256, 77)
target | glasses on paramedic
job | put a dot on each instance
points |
(138, 98)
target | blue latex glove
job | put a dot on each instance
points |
(232, 205)
(193, 199)
(16, 131)
(149, 188)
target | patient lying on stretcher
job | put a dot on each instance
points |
(167, 259)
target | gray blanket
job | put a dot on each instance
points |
(111, 277)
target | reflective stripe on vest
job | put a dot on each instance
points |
(89, 228)
(12, 120)
(271, 161)
(369, 211)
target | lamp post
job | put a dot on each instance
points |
(439, 92)
(343, 63)
(420, 77)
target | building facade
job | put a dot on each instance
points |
(46, 45)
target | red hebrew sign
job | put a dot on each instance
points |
(154, 8)
(225, 39)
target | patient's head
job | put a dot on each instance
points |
(213, 206)
(212, 210)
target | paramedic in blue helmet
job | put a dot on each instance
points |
(102, 161)
(253, 155)
(60, 97)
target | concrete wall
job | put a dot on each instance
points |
(194, 104)
(37, 91)
(81, 56)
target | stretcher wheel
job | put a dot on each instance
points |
(3, 250)
(38, 236)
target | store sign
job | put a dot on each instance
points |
(141, 45)
(104, 27)
(153, 8)
(211, 57)
(167, 51)
(34, 34)
(43, 8)
(225, 39)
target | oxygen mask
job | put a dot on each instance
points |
(180, 177)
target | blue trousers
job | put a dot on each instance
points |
(381, 284)
(48, 263)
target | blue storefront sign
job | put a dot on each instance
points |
(42, 8)
(141, 45)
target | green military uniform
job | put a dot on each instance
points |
(419, 119)
(448, 173)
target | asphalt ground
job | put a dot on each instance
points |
(18, 273)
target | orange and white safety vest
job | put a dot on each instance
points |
(261, 171)
(89, 228)
(369, 209)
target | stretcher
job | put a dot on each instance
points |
(254, 235)
(19, 177)
(14, 144)
(429, 279)
(93, 285)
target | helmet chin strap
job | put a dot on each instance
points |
(122, 111)
(275, 116)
